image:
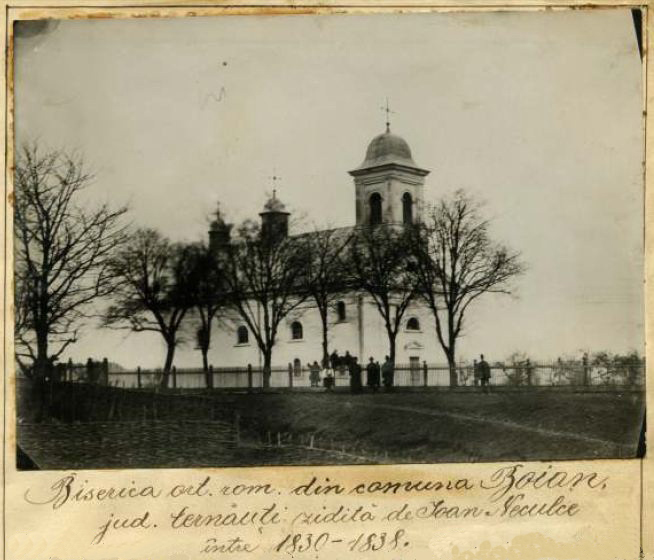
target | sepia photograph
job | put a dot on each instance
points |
(328, 239)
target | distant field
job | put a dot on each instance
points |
(340, 428)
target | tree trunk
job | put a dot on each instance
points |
(267, 360)
(451, 350)
(325, 342)
(41, 363)
(170, 355)
(391, 347)
(205, 358)
(40, 388)
(451, 362)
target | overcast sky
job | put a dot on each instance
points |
(536, 113)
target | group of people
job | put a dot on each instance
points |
(482, 374)
(376, 374)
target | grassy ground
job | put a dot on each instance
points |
(340, 428)
(439, 426)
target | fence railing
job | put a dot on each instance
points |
(556, 374)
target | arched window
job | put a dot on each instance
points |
(407, 208)
(297, 367)
(296, 330)
(340, 310)
(375, 202)
(413, 324)
(242, 335)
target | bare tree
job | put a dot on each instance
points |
(325, 277)
(207, 289)
(455, 263)
(263, 278)
(154, 294)
(378, 262)
(62, 251)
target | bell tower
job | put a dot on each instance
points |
(388, 184)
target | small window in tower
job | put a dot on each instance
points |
(296, 330)
(242, 335)
(340, 311)
(375, 202)
(413, 324)
(407, 208)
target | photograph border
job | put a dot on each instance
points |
(89, 9)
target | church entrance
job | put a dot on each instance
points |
(414, 368)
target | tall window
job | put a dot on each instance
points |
(296, 330)
(340, 310)
(407, 208)
(375, 202)
(242, 335)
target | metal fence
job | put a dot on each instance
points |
(522, 375)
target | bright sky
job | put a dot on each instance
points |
(537, 113)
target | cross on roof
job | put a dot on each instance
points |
(274, 178)
(388, 112)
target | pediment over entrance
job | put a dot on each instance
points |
(413, 345)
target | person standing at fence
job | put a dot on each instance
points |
(372, 371)
(388, 372)
(91, 371)
(314, 374)
(476, 372)
(328, 381)
(334, 360)
(485, 374)
(355, 376)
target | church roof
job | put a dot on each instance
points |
(385, 149)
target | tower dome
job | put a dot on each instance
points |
(388, 183)
(388, 148)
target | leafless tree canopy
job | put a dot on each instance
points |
(324, 277)
(154, 292)
(62, 253)
(263, 277)
(456, 263)
(379, 263)
(207, 288)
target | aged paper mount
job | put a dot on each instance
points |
(515, 510)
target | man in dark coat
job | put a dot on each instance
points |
(334, 360)
(372, 371)
(387, 372)
(355, 376)
(346, 362)
(484, 374)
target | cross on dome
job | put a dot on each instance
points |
(388, 112)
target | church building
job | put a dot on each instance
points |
(388, 189)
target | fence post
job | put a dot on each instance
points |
(249, 377)
(138, 377)
(290, 376)
(105, 371)
(424, 373)
(210, 378)
(584, 361)
(174, 377)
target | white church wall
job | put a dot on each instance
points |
(343, 336)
